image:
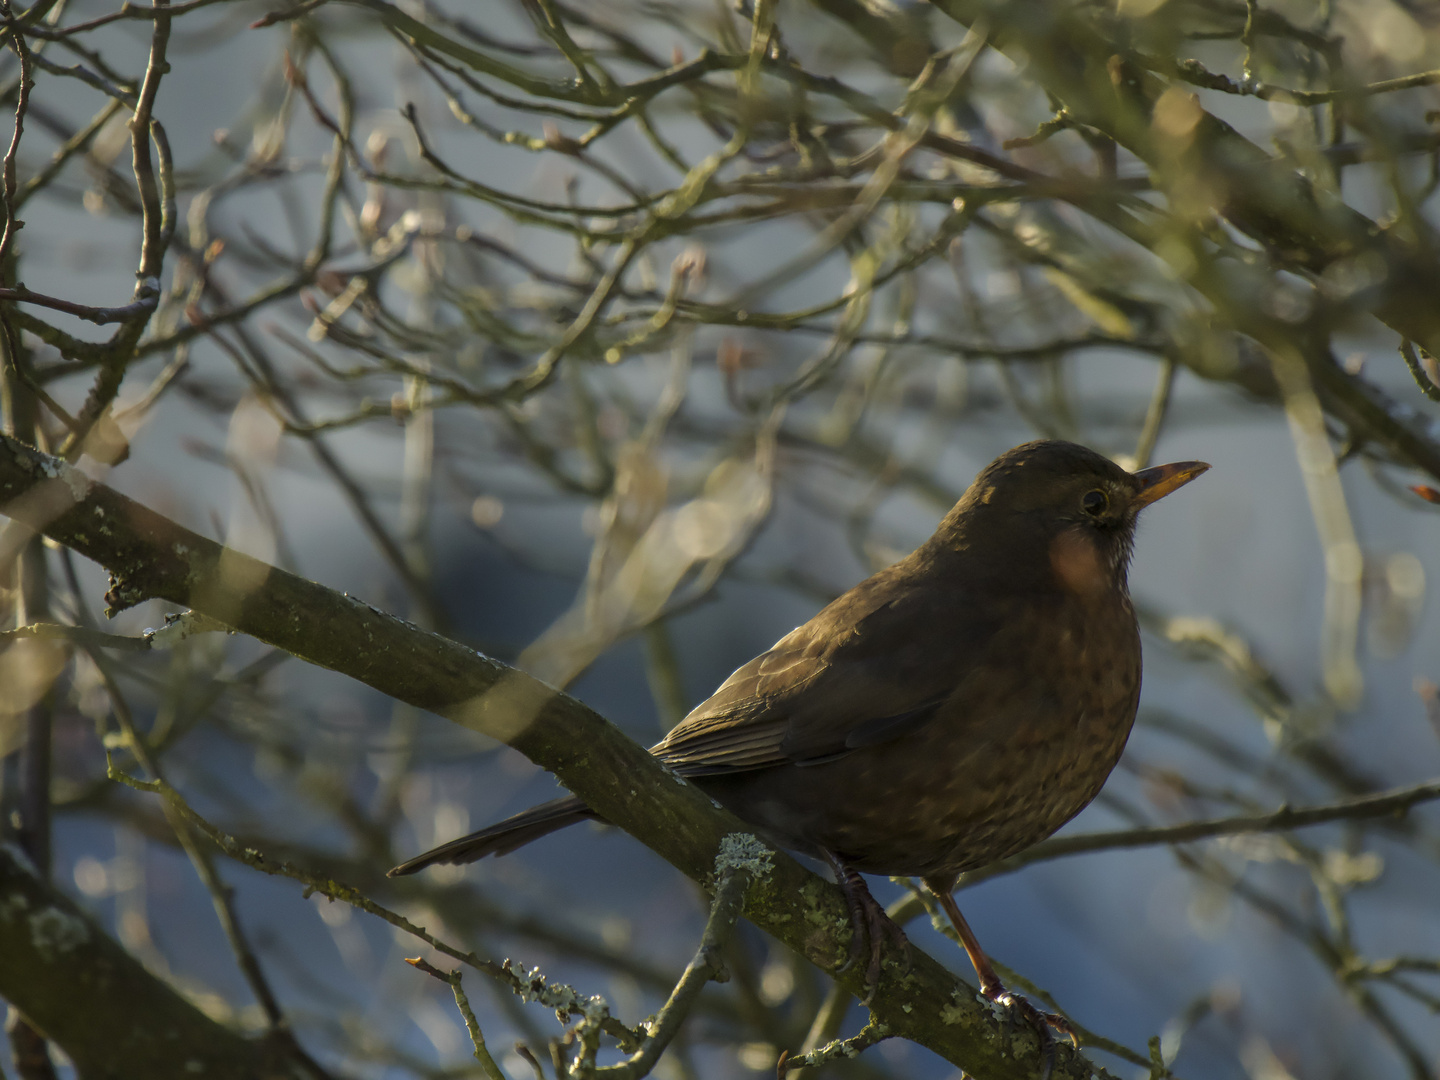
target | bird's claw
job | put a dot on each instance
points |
(879, 929)
(1043, 1022)
(858, 920)
(868, 922)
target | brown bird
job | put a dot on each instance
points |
(946, 713)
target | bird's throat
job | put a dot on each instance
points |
(1079, 563)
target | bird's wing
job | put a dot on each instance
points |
(872, 666)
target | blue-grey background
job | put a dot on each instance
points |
(1130, 943)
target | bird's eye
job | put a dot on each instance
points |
(1095, 502)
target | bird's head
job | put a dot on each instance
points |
(1060, 511)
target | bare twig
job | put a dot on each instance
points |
(79, 635)
(22, 103)
(97, 315)
(1422, 378)
(462, 1002)
(703, 967)
(1155, 415)
(1382, 804)
(873, 1032)
(220, 894)
(155, 217)
(160, 10)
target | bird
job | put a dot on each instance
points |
(948, 712)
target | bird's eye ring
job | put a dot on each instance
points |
(1095, 502)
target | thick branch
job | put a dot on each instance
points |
(95, 1000)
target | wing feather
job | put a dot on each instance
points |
(861, 672)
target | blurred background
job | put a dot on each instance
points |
(614, 339)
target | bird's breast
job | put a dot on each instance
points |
(1024, 743)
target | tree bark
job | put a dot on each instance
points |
(79, 988)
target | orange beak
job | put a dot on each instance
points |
(1161, 480)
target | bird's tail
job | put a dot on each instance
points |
(504, 836)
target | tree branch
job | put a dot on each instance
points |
(1303, 227)
(91, 997)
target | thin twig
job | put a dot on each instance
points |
(113, 90)
(873, 1032)
(1155, 415)
(220, 893)
(1417, 371)
(161, 10)
(1247, 41)
(1395, 802)
(22, 103)
(296, 12)
(152, 251)
(78, 635)
(555, 29)
(335, 169)
(72, 146)
(704, 966)
(98, 315)
(462, 1002)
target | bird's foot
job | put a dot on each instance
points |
(991, 986)
(1044, 1023)
(879, 929)
(868, 922)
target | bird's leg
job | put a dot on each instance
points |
(868, 921)
(990, 984)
